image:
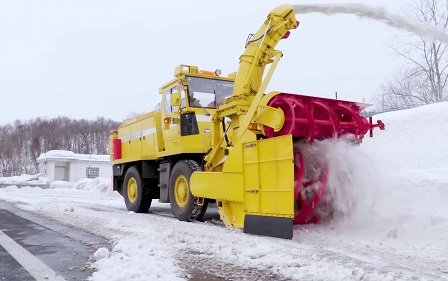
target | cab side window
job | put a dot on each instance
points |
(168, 108)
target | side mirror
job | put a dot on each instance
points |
(175, 99)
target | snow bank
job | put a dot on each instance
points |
(98, 184)
(403, 183)
(24, 179)
(416, 138)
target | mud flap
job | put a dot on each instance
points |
(269, 226)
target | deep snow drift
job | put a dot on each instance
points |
(392, 223)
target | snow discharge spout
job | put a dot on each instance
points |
(425, 31)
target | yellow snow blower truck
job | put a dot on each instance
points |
(224, 140)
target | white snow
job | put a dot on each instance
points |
(392, 223)
(101, 253)
(24, 179)
(99, 184)
(69, 155)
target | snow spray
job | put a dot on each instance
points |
(425, 31)
(353, 181)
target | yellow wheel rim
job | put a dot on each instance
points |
(181, 191)
(132, 190)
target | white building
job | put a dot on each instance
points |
(61, 165)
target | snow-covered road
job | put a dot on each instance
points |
(397, 229)
(157, 246)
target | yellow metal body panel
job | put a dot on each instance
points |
(135, 142)
(264, 184)
(268, 169)
(216, 185)
(227, 189)
(232, 212)
(198, 143)
(141, 138)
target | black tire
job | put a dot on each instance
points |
(201, 211)
(136, 192)
(185, 207)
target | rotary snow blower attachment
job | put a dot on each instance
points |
(260, 180)
(313, 118)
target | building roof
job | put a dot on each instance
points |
(64, 155)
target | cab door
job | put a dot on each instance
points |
(171, 128)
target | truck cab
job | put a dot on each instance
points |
(188, 104)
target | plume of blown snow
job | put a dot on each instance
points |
(425, 31)
(353, 181)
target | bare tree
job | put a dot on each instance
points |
(424, 78)
(21, 143)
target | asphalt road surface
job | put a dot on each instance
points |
(10, 269)
(35, 248)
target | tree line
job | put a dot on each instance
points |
(21, 143)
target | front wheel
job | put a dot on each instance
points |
(136, 192)
(185, 206)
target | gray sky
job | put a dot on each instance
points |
(89, 58)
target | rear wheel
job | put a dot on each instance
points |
(136, 192)
(185, 206)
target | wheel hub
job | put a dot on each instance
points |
(181, 191)
(132, 190)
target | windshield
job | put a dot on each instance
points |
(207, 92)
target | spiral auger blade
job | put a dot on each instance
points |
(310, 184)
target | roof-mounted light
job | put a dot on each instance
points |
(185, 68)
(218, 72)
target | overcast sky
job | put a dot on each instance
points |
(89, 58)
